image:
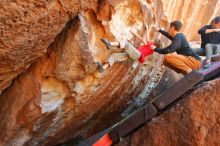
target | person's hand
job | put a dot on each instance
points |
(207, 31)
(156, 28)
(153, 47)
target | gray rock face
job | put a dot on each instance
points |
(194, 121)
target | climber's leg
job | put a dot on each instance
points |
(217, 49)
(109, 44)
(117, 57)
(132, 51)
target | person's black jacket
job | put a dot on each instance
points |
(212, 38)
(179, 45)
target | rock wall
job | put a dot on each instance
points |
(194, 121)
(49, 84)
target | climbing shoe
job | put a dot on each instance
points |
(107, 43)
(207, 65)
(100, 67)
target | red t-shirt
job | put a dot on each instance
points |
(145, 51)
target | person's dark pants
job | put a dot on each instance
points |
(200, 51)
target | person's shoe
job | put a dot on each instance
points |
(207, 65)
(107, 43)
(214, 49)
(100, 67)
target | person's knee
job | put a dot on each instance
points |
(167, 59)
(208, 47)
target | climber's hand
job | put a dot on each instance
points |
(156, 28)
(153, 47)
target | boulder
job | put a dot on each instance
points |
(193, 121)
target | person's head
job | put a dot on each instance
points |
(158, 43)
(216, 22)
(175, 27)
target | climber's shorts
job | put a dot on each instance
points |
(130, 49)
(117, 57)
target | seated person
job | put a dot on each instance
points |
(210, 36)
(179, 56)
(127, 51)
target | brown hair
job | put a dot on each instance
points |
(216, 20)
(176, 24)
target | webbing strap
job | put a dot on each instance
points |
(177, 89)
(137, 119)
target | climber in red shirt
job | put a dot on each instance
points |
(127, 51)
(145, 51)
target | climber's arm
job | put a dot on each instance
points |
(166, 34)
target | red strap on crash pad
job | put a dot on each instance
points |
(104, 141)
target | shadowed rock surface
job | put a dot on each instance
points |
(194, 121)
(50, 90)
